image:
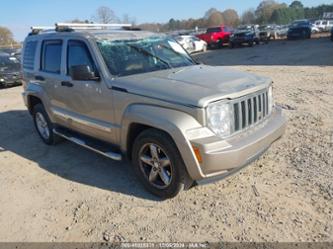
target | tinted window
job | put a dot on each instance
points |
(29, 55)
(212, 30)
(51, 56)
(78, 54)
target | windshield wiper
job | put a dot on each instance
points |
(147, 53)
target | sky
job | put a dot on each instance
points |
(20, 15)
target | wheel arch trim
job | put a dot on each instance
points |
(175, 123)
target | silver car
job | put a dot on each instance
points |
(138, 95)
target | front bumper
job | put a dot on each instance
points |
(10, 80)
(223, 157)
(240, 40)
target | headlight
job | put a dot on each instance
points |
(2, 80)
(220, 118)
(270, 99)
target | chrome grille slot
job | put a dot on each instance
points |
(250, 110)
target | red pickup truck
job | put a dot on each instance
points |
(216, 36)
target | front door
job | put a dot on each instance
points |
(88, 103)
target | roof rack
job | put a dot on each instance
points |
(79, 26)
(67, 27)
(38, 29)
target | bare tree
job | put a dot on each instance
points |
(265, 10)
(105, 15)
(128, 19)
(248, 17)
(215, 19)
(231, 17)
(209, 12)
(76, 20)
(6, 37)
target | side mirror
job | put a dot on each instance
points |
(83, 72)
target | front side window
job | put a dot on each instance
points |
(51, 56)
(78, 54)
(127, 57)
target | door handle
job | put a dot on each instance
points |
(67, 84)
(40, 78)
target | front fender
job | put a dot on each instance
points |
(173, 122)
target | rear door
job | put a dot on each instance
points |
(50, 76)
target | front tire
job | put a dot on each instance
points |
(159, 165)
(43, 125)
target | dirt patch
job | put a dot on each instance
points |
(66, 193)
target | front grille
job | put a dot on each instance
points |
(250, 110)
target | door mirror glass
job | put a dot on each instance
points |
(82, 72)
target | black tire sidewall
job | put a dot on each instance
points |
(39, 108)
(180, 178)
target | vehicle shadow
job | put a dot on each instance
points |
(67, 160)
(313, 52)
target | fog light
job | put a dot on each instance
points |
(197, 153)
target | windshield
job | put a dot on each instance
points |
(6, 61)
(127, 57)
(299, 23)
(244, 28)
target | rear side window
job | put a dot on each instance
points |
(78, 54)
(51, 56)
(29, 55)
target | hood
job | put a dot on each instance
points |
(194, 85)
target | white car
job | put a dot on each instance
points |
(324, 25)
(329, 25)
(314, 29)
(321, 24)
(191, 43)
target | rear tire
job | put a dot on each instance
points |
(159, 165)
(43, 125)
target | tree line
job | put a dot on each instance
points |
(267, 12)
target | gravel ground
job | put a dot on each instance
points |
(66, 193)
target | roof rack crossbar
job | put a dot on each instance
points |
(62, 27)
(78, 26)
(37, 29)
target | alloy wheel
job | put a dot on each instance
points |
(42, 126)
(155, 165)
